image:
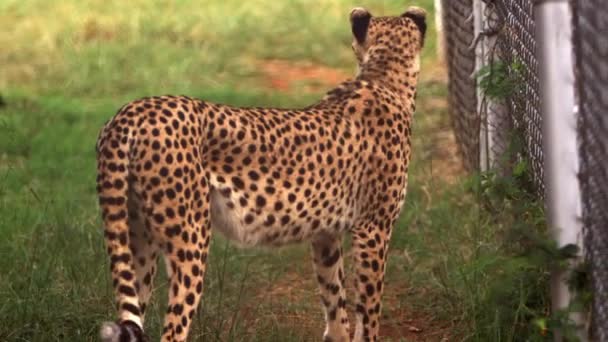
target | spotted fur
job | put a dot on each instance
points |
(173, 169)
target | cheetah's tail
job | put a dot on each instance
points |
(112, 187)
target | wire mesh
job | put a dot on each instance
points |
(517, 126)
(591, 55)
(459, 34)
(516, 50)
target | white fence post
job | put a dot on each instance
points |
(492, 143)
(553, 35)
(439, 27)
(481, 60)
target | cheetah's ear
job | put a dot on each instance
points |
(418, 16)
(359, 21)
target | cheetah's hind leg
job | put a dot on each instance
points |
(113, 194)
(328, 265)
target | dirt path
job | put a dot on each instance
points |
(286, 76)
(295, 303)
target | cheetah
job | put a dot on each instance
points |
(172, 169)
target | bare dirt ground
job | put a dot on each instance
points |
(287, 76)
(296, 306)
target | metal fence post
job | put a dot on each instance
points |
(480, 46)
(554, 37)
(440, 32)
(494, 127)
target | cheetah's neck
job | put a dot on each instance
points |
(400, 74)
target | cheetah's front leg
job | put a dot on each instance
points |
(370, 248)
(328, 265)
(185, 291)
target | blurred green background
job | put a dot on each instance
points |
(67, 66)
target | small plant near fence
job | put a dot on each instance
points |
(517, 306)
(510, 187)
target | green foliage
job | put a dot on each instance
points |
(483, 254)
(499, 80)
(521, 286)
(517, 293)
(531, 249)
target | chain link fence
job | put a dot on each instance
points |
(517, 124)
(512, 21)
(460, 57)
(514, 126)
(591, 56)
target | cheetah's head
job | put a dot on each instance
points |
(400, 37)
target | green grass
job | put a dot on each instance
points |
(96, 49)
(68, 65)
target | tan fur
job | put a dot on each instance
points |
(173, 169)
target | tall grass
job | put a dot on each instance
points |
(482, 259)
